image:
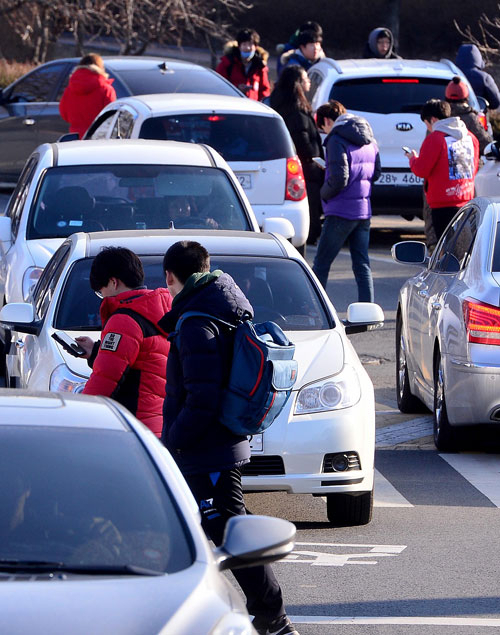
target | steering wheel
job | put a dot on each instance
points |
(266, 313)
(187, 222)
(94, 226)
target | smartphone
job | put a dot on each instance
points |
(319, 161)
(406, 149)
(68, 343)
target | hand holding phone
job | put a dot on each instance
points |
(69, 344)
(406, 150)
(319, 161)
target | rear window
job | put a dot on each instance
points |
(385, 95)
(148, 82)
(93, 198)
(237, 137)
(86, 497)
(278, 289)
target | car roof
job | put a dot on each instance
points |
(156, 242)
(131, 62)
(162, 103)
(443, 69)
(127, 151)
(63, 410)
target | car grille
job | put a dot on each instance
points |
(263, 465)
(351, 459)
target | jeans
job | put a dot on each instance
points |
(336, 231)
(219, 496)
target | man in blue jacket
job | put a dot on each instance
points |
(352, 165)
(470, 61)
(209, 454)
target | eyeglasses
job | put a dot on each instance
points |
(99, 295)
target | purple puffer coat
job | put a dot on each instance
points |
(352, 165)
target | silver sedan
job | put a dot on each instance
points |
(448, 324)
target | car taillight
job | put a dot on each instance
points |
(295, 188)
(482, 322)
(483, 119)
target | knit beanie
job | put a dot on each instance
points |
(456, 90)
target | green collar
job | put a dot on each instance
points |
(195, 281)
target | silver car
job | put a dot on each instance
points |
(448, 324)
(100, 534)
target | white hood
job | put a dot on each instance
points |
(318, 353)
(452, 126)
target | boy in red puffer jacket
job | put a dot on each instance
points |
(88, 91)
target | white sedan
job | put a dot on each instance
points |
(251, 137)
(100, 534)
(448, 325)
(323, 441)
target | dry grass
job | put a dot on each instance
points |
(10, 71)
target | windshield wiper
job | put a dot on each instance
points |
(90, 569)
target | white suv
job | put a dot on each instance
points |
(389, 94)
(251, 137)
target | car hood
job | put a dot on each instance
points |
(126, 605)
(43, 249)
(319, 354)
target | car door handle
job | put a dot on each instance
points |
(19, 344)
(29, 122)
(437, 306)
(423, 293)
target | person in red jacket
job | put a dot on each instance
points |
(129, 362)
(448, 162)
(88, 91)
(244, 64)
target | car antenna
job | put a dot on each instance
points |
(164, 68)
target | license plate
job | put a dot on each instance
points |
(245, 180)
(256, 443)
(399, 178)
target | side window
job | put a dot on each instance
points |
(18, 198)
(464, 241)
(124, 125)
(316, 79)
(100, 129)
(445, 258)
(39, 85)
(44, 290)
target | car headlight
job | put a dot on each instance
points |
(332, 393)
(233, 624)
(30, 278)
(63, 380)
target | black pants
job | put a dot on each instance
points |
(219, 496)
(441, 216)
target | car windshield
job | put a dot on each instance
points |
(278, 289)
(86, 497)
(178, 80)
(109, 197)
(385, 95)
(240, 137)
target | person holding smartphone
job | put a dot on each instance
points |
(129, 362)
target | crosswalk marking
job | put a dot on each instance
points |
(481, 470)
(410, 620)
(386, 495)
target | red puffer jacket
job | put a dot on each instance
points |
(131, 363)
(253, 80)
(86, 94)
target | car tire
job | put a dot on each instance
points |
(445, 437)
(407, 402)
(349, 510)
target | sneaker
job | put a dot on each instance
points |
(279, 626)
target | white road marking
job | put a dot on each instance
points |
(481, 470)
(342, 556)
(406, 431)
(410, 621)
(386, 495)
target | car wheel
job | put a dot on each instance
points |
(444, 435)
(407, 402)
(349, 510)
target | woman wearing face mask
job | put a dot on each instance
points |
(244, 64)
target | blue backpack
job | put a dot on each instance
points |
(262, 374)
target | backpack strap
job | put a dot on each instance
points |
(148, 328)
(190, 314)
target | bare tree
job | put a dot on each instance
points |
(488, 40)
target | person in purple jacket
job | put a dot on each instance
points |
(352, 165)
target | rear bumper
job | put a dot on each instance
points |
(394, 199)
(472, 392)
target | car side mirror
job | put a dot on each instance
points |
(363, 316)
(410, 252)
(492, 152)
(69, 136)
(280, 226)
(484, 104)
(254, 540)
(20, 316)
